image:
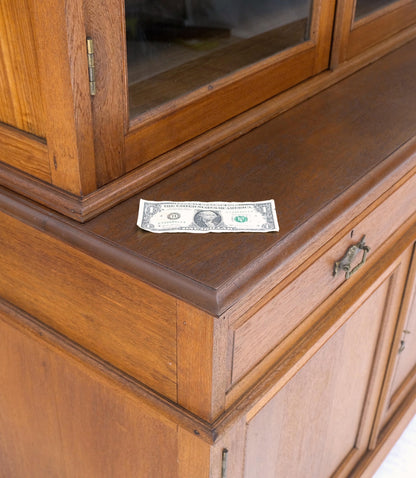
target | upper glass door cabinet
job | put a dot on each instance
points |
(362, 24)
(176, 47)
(193, 64)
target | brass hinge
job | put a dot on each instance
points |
(91, 65)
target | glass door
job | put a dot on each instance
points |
(362, 24)
(175, 47)
(194, 64)
(366, 7)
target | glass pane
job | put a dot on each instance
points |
(177, 46)
(365, 7)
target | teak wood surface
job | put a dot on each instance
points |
(21, 102)
(75, 379)
(64, 415)
(96, 156)
(339, 379)
(228, 274)
(347, 137)
(352, 37)
(343, 135)
(104, 316)
(91, 142)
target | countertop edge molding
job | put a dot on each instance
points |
(398, 166)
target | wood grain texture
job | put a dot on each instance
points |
(389, 436)
(233, 441)
(202, 362)
(353, 38)
(367, 34)
(60, 417)
(323, 15)
(318, 281)
(84, 281)
(342, 28)
(333, 385)
(193, 456)
(121, 320)
(278, 368)
(24, 152)
(217, 272)
(21, 103)
(355, 179)
(181, 124)
(104, 23)
(206, 107)
(371, 106)
(401, 372)
(183, 83)
(406, 360)
(84, 208)
(60, 33)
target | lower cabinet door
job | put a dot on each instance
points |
(401, 375)
(406, 361)
(63, 415)
(319, 424)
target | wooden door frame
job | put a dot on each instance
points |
(351, 38)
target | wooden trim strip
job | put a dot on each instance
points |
(388, 437)
(60, 33)
(40, 191)
(109, 105)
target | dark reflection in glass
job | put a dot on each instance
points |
(177, 46)
(365, 7)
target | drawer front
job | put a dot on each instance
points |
(263, 331)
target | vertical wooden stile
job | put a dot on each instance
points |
(60, 35)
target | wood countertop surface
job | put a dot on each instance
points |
(322, 162)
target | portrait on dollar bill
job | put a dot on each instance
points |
(209, 219)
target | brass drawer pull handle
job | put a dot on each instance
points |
(344, 264)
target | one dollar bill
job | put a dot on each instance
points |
(202, 217)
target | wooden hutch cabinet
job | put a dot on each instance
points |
(130, 354)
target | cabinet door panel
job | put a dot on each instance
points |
(320, 422)
(59, 417)
(403, 363)
(21, 103)
(407, 358)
